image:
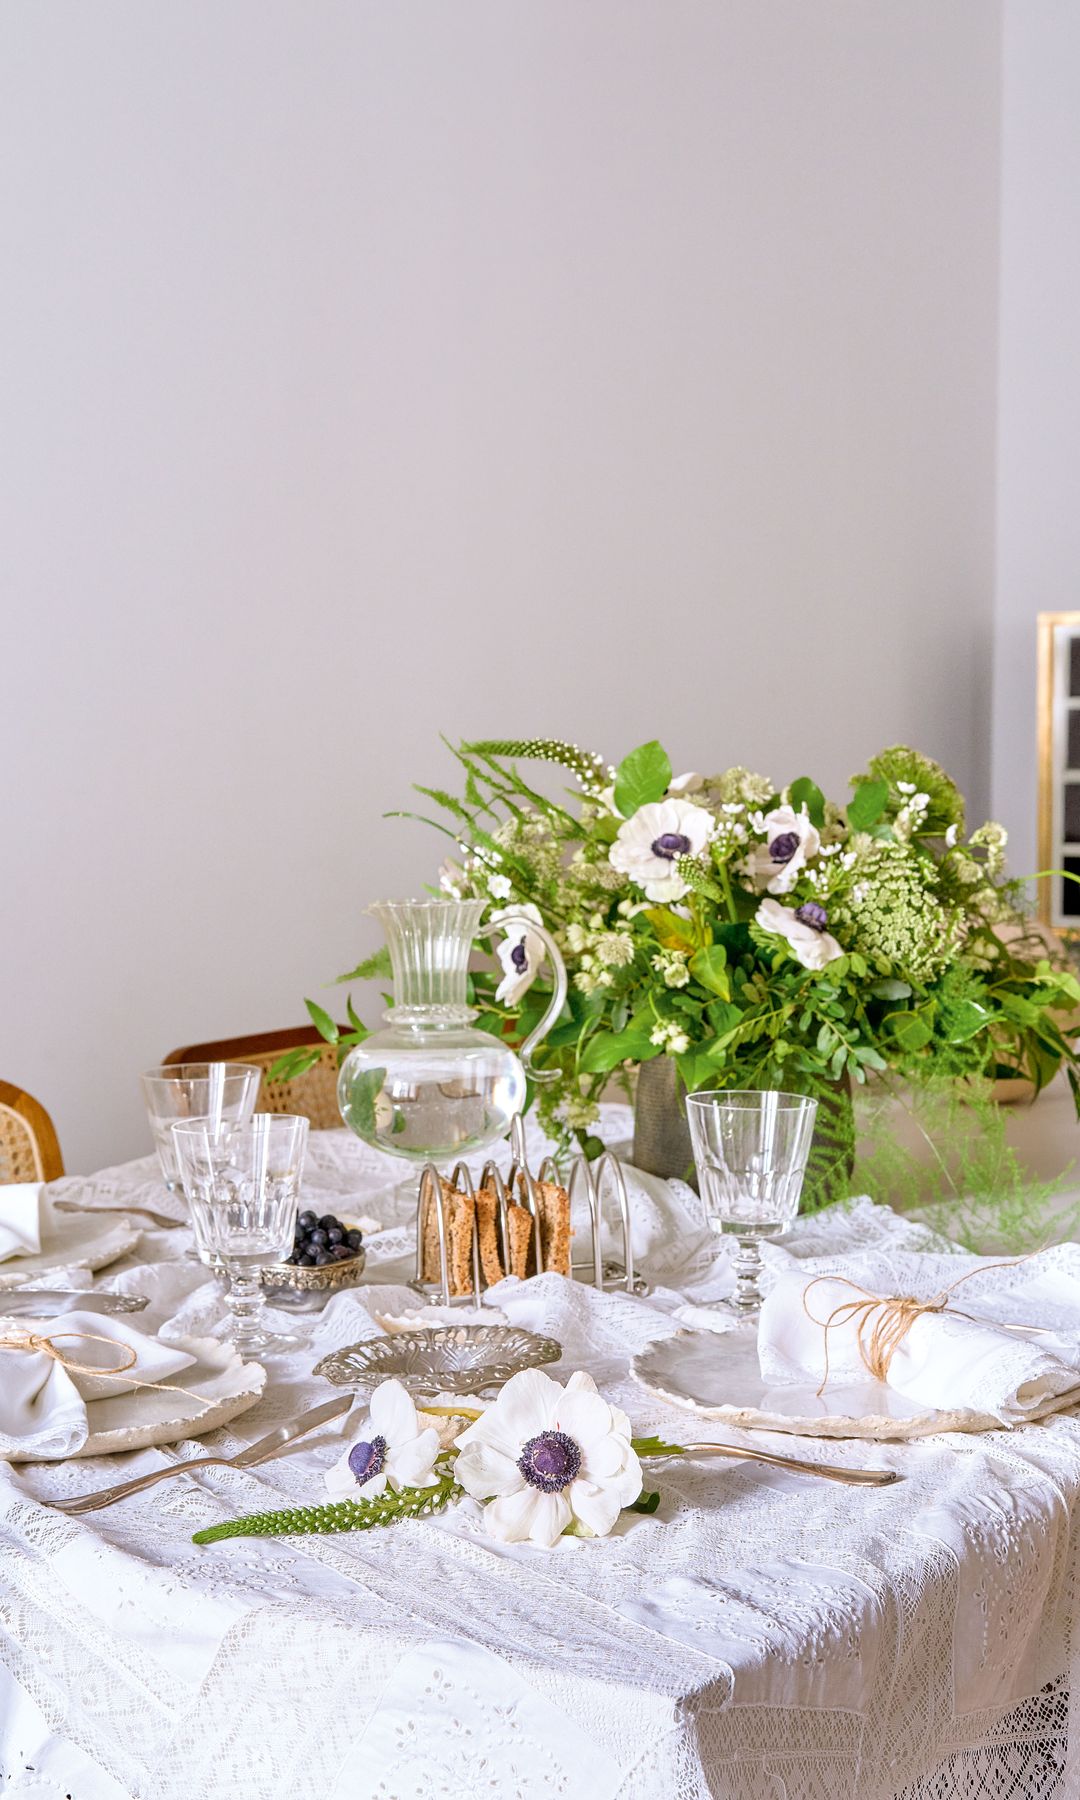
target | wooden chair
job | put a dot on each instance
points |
(29, 1150)
(314, 1094)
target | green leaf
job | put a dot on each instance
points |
(322, 1022)
(967, 1019)
(645, 1503)
(642, 777)
(890, 989)
(722, 1015)
(358, 1025)
(671, 932)
(805, 792)
(372, 966)
(655, 1446)
(867, 804)
(359, 1108)
(607, 1049)
(910, 1029)
(710, 968)
(294, 1063)
(695, 1066)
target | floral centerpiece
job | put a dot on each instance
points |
(737, 933)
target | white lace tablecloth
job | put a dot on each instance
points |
(763, 1636)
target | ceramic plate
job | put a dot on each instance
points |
(154, 1416)
(716, 1375)
(464, 1359)
(72, 1240)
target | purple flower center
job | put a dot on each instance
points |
(671, 845)
(550, 1461)
(783, 848)
(519, 956)
(812, 914)
(367, 1460)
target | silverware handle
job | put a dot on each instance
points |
(827, 1471)
(106, 1496)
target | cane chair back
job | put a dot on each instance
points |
(29, 1150)
(313, 1094)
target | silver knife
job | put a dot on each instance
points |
(271, 1445)
(44, 1303)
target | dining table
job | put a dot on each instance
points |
(763, 1635)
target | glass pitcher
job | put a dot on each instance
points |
(430, 1086)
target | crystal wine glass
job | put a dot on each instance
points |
(750, 1150)
(198, 1090)
(242, 1183)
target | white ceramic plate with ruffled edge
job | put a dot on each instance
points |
(71, 1240)
(146, 1416)
(716, 1375)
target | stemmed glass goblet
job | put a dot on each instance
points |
(750, 1149)
(242, 1182)
(198, 1090)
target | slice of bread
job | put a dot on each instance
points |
(553, 1205)
(519, 1231)
(487, 1212)
(462, 1221)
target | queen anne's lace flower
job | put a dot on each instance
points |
(544, 1457)
(397, 1452)
(648, 844)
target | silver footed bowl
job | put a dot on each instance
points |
(330, 1279)
(463, 1359)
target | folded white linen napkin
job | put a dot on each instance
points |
(945, 1361)
(43, 1405)
(20, 1218)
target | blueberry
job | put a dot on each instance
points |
(335, 1235)
(306, 1261)
(324, 1257)
(317, 1239)
(354, 1239)
(307, 1220)
(326, 1221)
(340, 1253)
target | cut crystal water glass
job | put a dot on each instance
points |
(242, 1183)
(199, 1090)
(750, 1150)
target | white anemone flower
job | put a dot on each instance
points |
(520, 953)
(397, 1453)
(804, 929)
(649, 841)
(790, 840)
(545, 1457)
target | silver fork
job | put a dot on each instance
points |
(267, 1447)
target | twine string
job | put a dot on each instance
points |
(47, 1346)
(882, 1321)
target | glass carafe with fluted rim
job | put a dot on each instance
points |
(430, 1086)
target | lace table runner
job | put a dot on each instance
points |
(762, 1637)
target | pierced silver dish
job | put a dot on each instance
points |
(464, 1359)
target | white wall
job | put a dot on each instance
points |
(372, 370)
(1039, 422)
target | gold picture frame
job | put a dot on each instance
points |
(1059, 767)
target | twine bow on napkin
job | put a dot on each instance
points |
(35, 1342)
(882, 1321)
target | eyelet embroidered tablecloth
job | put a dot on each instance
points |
(763, 1636)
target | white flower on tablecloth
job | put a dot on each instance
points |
(544, 1457)
(520, 953)
(397, 1452)
(790, 840)
(804, 927)
(649, 841)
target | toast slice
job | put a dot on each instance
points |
(519, 1231)
(459, 1212)
(487, 1212)
(553, 1205)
